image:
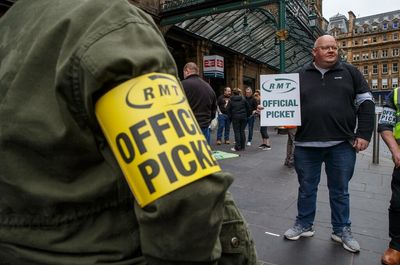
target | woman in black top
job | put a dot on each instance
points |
(238, 111)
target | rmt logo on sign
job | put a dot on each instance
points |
(279, 85)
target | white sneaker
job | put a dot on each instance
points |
(248, 143)
(298, 231)
(347, 240)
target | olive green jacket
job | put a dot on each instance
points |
(63, 197)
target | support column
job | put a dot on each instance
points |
(282, 35)
(202, 48)
(240, 72)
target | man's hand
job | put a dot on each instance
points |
(396, 158)
(360, 144)
(259, 109)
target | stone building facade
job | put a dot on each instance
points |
(372, 44)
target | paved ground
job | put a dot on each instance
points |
(266, 192)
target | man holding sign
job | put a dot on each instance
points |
(334, 96)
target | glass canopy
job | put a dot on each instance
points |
(253, 32)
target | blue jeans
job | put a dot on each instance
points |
(250, 126)
(339, 167)
(207, 134)
(223, 123)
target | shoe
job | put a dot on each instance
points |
(347, 240)
(248, 143)
(234, 149)
(298, 231)
(266, 147)
(262, 146)
(391, 257)
(227, 142)
(219, 142)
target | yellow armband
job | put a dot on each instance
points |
(154, 136)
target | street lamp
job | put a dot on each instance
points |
(312, 20)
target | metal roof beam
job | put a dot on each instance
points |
(217, 8)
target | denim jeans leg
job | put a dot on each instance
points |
(221, 125)
(308, 162)
(339, 168)
(250, 126)
(207, 134)
(227, 128)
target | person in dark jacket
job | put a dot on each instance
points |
(224, 123)
(253, 107)
(389, 129)
(238, 111)
(88, 88)
(334, 99)
(202, 98)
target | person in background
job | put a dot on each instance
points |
(291, 132)
(266, 142)
(389, 129)
(328, 135)
(253, 107)
(201, 97)
(238, 111)
(224, 123)
(65, 67)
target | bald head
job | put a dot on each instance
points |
(323, 39)
(325, 52)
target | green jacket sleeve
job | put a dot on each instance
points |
(183, 226)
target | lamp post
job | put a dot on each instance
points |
(282, 35)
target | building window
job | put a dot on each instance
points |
(375, 69)
(395, 52)
(384, 37)
(365, 70)
(343, 43)
(395, 25)
(385, 25)
(365, 41)
(374, 83)
(384, 83)
(365, 56)
(355, 42)
(374, 28)
(395, 83)
(356, 30)
(395, 67)
(374, 54)
(395, 36)
(356, 57)
(374, 39)
(384, 68)
(384, 53)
